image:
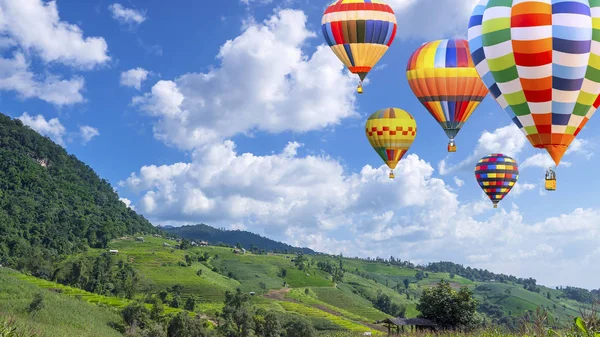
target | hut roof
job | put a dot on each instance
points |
(407, 321)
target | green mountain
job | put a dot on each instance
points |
(248, 240)
(52, 204)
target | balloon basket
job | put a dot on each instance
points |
(451, 148)
(359, 89)
(495, 205)
(550, 184)
(392, 175)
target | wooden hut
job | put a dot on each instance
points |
(396, 325)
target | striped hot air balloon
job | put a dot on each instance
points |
(391, 132)
(496, 175)
(359, 32)
(442, 76)
(541, 62)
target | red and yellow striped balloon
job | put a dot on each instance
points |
(359, 32)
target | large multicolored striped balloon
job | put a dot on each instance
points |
(442, 76)
(496, 175)
(391, 132)
(359, 32)
(541, 61)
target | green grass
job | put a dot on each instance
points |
(353, 303)
(160, 265)
(61, 315)
(338, 320)
(114, 302)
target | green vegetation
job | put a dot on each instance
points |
(54, 315)
(253, 242)
(52, 204)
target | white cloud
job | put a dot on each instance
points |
(311, 201)
(508, 140)
(127, 203)
(458, 182)
(51, 128)
(15, 75)
(520, 188)
(263, 83)
(87, 133)
(417, 20)
(36, 26)
(127, 15)
(134, 77)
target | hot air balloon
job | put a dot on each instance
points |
(442, 76)
(496, 174)
(359, 32)
(391, 132)
(541, 62)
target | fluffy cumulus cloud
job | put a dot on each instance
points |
(35, 25)
(51, 128)
(56, 131)
(127, 203)
(35, 29)
(87, 133)
(508, 140)
(449, 19)
(134, 77)
(263, 83)
(16, 76)
(312, 201)
(126, 15)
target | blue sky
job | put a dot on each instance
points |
(236, 114)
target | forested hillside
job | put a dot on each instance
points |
(52, 204)
(233, 237)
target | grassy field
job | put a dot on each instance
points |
(344, 305)
(61, 315)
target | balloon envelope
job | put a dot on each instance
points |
(359, 32)
(391, 132)
(443, 77)
(541, 62)
(496, 175)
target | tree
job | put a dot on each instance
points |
(236, 315)
(299, 328)
(406, 283)
(182, 325)
(262, 286)
(447, 307)
(272, 325)
(282, 273)
(190, 304)
(36, 304)
(136, 314)
(507, 291)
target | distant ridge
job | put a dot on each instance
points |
(232, 237)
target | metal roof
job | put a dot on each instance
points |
(407, 321)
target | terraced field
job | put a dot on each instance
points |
(61, 315)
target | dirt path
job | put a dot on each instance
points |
(279, 295)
